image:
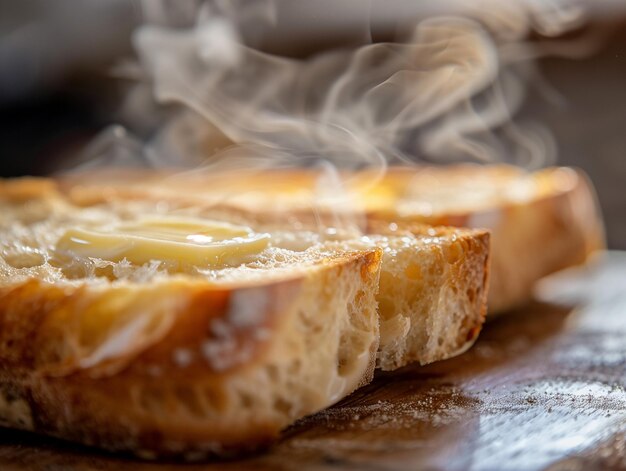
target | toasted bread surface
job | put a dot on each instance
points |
(434, 281)
(540, 222)
(162, 363)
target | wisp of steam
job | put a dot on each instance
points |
(447, 92)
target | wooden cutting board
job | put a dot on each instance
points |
(543, 388)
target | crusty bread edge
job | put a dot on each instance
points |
(464, 255)
(91, 406)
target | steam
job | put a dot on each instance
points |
(352, 109)
(449, 92)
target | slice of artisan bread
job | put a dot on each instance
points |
(163, 359)
(433, 288)
(540, 222)
(432, 299)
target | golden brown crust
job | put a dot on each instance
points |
(27, 188)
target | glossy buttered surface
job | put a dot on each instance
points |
(181, 240)
(543, 388)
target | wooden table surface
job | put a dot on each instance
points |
(543, 388)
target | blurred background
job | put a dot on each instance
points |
(58, 91)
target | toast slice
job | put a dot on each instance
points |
(432, 298)
(540, 222)
(163, 359)
(433, 283)
(160, 357)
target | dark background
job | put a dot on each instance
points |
(56, 92)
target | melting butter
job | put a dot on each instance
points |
(180, 240)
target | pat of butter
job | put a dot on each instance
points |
(180, 240)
